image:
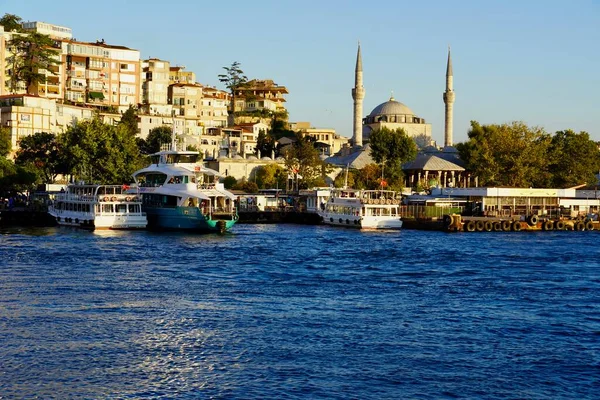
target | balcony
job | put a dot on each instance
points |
(76, 86)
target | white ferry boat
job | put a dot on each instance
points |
(178, 193)
(363, 209)
(98, 207)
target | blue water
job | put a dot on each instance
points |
(290, 311)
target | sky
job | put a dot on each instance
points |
(531, 61)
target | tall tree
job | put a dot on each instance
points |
(129, 121)
(156, 138)
(31, 54)
(391, 149)
(507, 155)
(41, 150)
(98, 152)
(11, 23)
(234, 79)
(302, 159)
(574, 159)
(5, 142)
(271, 176)
(265, 143)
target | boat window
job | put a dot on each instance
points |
(107, 208)
(151, 180)
(186, 158)
(122, 208)
(155, 159)
(134, 208)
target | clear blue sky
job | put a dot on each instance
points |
(532, 61)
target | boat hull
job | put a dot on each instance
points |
(185, 219)
(365, 222)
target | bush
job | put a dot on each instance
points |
(229, 182)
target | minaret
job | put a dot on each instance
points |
(358, 94)
(449, 101)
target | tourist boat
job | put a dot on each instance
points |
(363, 209)
(178, 193)
(93, 206)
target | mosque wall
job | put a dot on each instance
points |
(240, 168)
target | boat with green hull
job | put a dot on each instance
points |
(179, 193)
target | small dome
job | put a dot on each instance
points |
(450, 149)
(238, 157)
(252, 158)
(391, 107)
(265, 158)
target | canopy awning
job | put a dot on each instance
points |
(96, 95)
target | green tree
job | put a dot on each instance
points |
(265, 143)
(229, 182)
(31, 54)
(41, 150)
(301, 158)
(391, 149)
(368, 177)
(5, 142)
(234, 80)
(129, 121)
(271, 176)
(11, 23)
(345, 178)
(98, 152)
(156, 138)
(574, 159)
(16, 178)
(512, 155)
(246, 186)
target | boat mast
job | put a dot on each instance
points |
(346, 177)
(173, 142)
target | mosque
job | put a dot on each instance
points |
(432, 165)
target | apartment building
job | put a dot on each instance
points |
(25, 115)
(329, 142)
(257, 101)
(155, 87)
(215, 103)
(249, 137)
(177, 74)
(101, 74)
(54, 31)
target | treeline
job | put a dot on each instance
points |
(508, 155)
(90, 150)
(97, 152)
(517, 155)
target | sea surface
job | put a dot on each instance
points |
(299, 312)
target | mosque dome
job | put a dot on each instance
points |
(392, 111)
(391, 107)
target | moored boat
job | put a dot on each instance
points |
(93, 206)
(363, 209)
(178, 193)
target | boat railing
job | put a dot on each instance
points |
(206, 186)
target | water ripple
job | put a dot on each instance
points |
(286, 311)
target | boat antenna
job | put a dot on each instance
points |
(173, 142)
(346, 177)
